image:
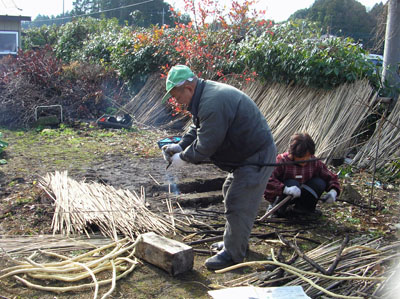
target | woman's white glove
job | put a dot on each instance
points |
(293, 191)
(177, 162)
(169, 150)
(329, 197)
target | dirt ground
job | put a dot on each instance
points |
(25, 212)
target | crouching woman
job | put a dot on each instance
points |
(303, 177)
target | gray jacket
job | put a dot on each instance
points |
(228, 128)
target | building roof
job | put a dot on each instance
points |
(10, 11)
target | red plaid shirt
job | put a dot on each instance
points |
(300, 173)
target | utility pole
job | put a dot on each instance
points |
(63, 9)
(391, 54)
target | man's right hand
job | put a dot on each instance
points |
(169, 150)
(293, 190)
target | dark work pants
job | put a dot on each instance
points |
(310, 193)
(243, 192)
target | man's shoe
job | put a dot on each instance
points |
(218, 246)
(219, 261)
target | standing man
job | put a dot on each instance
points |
(229, 129)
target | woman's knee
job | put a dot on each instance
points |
(317, 184)
(291, 182)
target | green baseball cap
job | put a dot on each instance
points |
(177, 75)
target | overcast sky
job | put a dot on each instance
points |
(277, 10)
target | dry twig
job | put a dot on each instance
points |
(353, 264)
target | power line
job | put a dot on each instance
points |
(16, 5)
(8, 5)
(94, 13)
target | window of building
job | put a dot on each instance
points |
(8, 42)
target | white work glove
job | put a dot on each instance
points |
(169, 150)
(329, 197)
(177, 162)
(294, 191)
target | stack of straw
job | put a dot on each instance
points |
(80, 205)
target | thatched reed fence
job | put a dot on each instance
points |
(147, 108)
(383, 146)
(332, 117)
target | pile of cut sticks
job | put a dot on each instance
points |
(353, 269)
(81, 205)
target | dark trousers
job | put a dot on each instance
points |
(310, 193)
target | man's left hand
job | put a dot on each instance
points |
(177, 162)
(169, 150)
(329, 197)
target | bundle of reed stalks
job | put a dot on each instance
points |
(338, 269)
(383, 147)
(113, 260)
(81, 205)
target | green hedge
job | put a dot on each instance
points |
(297, 52)
(289, 52)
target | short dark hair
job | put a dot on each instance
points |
(300, 144)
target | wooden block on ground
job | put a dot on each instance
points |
(169, 255)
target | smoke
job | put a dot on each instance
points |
(173, 187)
